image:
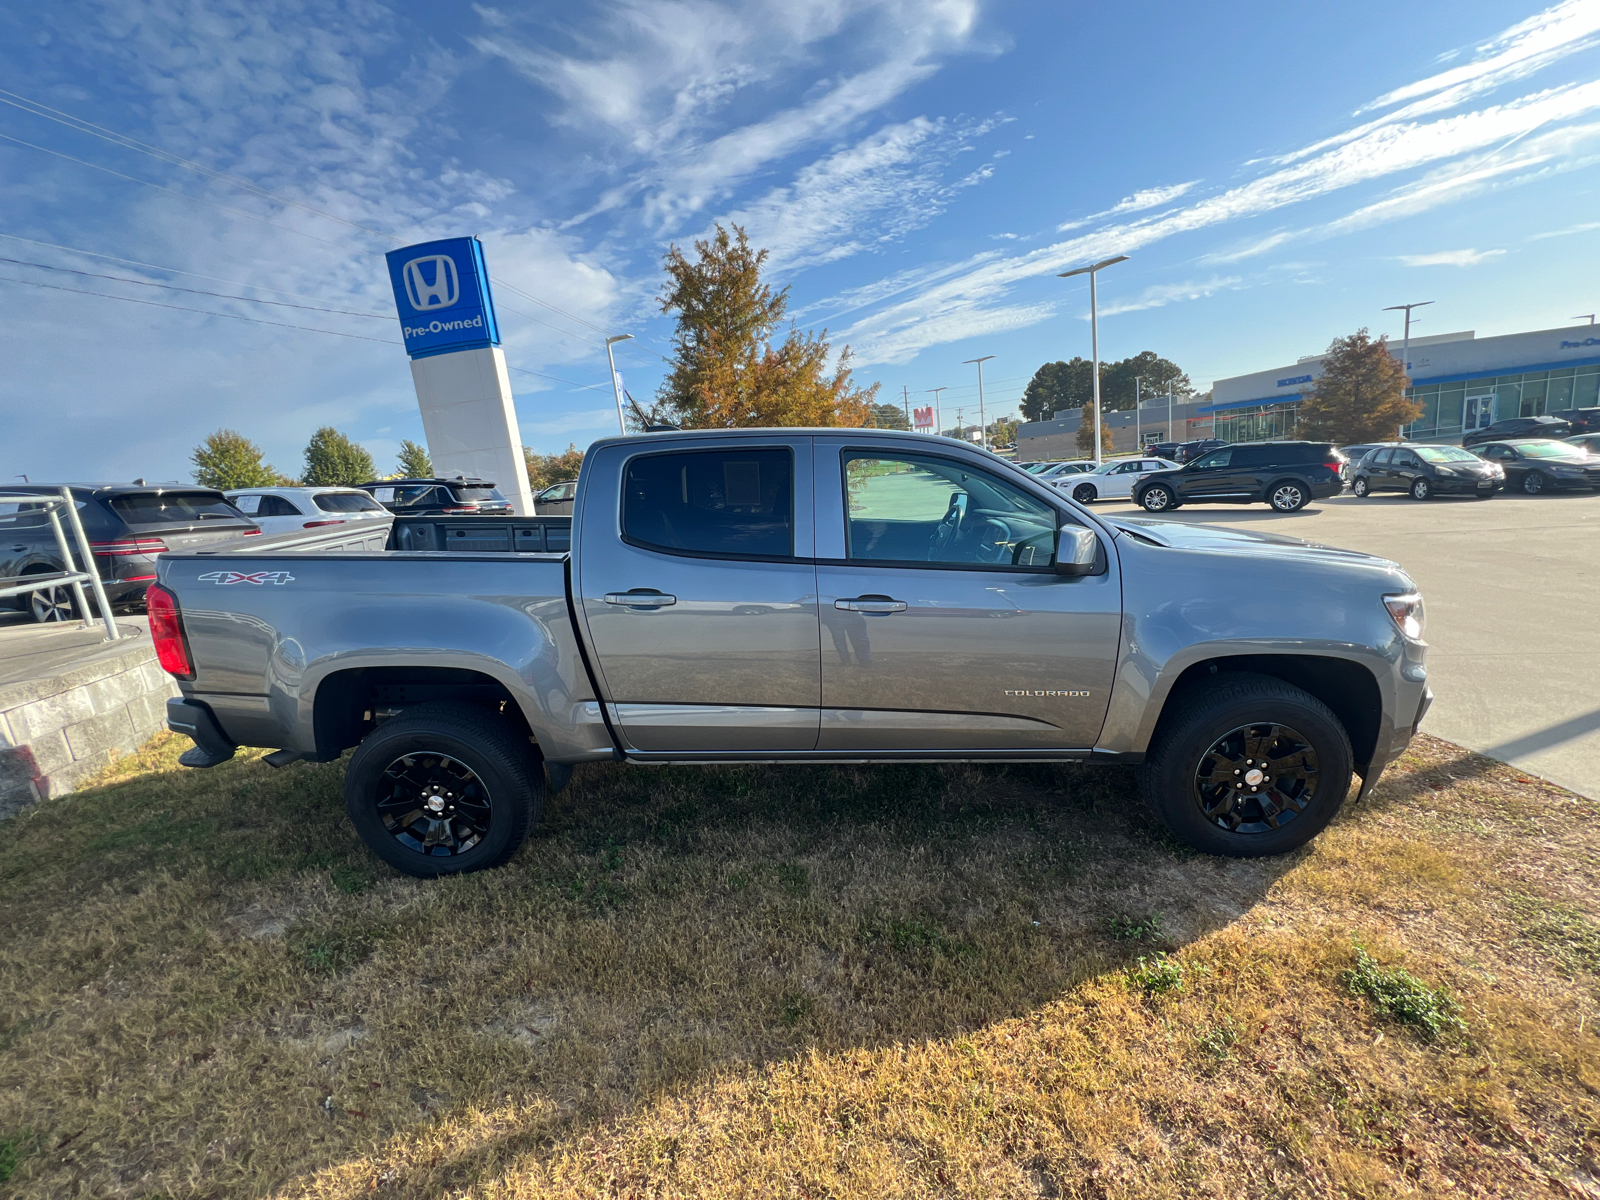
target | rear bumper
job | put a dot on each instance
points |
(195, 721)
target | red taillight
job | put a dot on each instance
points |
(136, 579)
(319, 524)
(1335, 466)
(166, 631)
(251, 533)
(123, 547)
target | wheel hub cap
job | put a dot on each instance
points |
(433, 804)
(1256, 778)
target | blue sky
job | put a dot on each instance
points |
(920, 172)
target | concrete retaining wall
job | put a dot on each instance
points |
(57, 731)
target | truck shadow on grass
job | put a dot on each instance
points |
(211, 963)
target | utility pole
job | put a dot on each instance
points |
(938, 420)
(906, 398)
(1405, 352)
(616, 387)
(983, 425)
(1138, 435)
(1171, 437)
(1094, 335)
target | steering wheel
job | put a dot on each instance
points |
(949, 529)
(994, 541)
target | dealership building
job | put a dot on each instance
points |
(1462, 382)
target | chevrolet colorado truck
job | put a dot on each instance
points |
(803, 596)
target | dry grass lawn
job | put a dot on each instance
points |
(813, 982)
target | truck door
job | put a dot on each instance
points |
(698, 591)
(945, 626)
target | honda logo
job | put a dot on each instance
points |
(444, 288)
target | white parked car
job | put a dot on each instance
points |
(285, 509)
(1111, 481)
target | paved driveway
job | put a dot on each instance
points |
(1512, 588)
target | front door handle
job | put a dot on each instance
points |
(641, 598)
(872, 604)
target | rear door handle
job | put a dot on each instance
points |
(872, 604)
(641, 599)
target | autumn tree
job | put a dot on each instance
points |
(1086, 430)
(1360, 395)
(227, 459)
(545, 469)
(413, 461)
(333, 460)
(727, 369)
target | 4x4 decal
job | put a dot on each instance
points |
(224, 578)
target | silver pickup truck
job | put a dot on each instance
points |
(803, 596)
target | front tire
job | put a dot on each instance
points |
(1158, 498)
(1085, 493)
(444, 789)
(1422, 490)
(1288, 497)
(1533, 483)
(1247, 766)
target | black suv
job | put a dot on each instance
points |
(127, 526)
(459, 496)
(1518, 427)
(1582, 420)
(1286, 475)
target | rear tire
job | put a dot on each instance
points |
(1421, 489)
(52, 605)
(1533, 483)
(1288, 496)
(1189, 781)
(444, 789)
(1158, 498)
(1361, 488)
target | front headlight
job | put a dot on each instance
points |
(1406, 610)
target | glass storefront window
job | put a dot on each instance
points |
(1585, 389)
(1559, 395)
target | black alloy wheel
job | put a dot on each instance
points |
(1533, 483)
(1158, 497)
(1361, 487)
(1246, 765)
(1256, 778)
(1288, 497)
(1421, 489)
(1085, 493)
(442, 789)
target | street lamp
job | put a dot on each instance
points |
(1405, 352)
(1094, 334)
(1589, 317)
(1138, 433)
(938, 421)
(616, 388)
(983, 424)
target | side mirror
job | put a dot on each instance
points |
(1077, 548)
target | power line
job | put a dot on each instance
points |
(172, 287)
(204, 312)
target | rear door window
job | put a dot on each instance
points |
(175, 508)
(346, 502)
(277, 506)
(716, 503)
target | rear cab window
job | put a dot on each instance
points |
(712, 503)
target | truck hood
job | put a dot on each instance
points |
(1184, 536)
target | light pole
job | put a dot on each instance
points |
(1405, 351)
(1138, 433)
(1170, 436)
(938, 420)
(1589, 317)
(616, 388)
(983, 427)
(1094, 334)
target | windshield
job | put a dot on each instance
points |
(1445, 454)
(1549, 450)
(346, 502)
(175, 508)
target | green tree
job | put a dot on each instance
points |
(889, 416)
(545, 469)
(227, 459)
(1152, 371)
(727, 370)
(1360, 395)
(1002, 432)
(1057, 387)
(333, 460)
(413, 462)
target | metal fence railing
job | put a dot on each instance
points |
(51, 507)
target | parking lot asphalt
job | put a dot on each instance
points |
(1512, 593)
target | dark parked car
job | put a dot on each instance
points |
(127, 526)
(1286, 475)
(458, 496)
(1582, 420)
(1518, 427)
(1354, 454)
(1425, 472)
(556, 500)
(1538, 465)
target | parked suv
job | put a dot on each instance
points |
(454, 497)
(1286, 475)
(1426, 472)
(1518, 427)
(1582, 420)
(556, 500)
(127, 526)
(286, 509)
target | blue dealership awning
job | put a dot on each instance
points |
(1264, 402)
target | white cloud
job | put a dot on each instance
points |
(1583, 227)
(1450, 258)
(1138, 202)
(1164, 294)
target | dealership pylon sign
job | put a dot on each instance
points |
(441, 292)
